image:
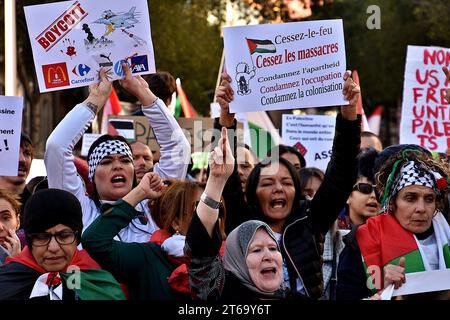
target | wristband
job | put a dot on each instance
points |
(209, 201)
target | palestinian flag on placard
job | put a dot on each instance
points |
(22, 276)
(384, 241)
(261, 46)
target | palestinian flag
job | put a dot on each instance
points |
(263, 134)
(188, 110)
(384, 241)
(22, 278)
(261, 46)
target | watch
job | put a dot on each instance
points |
(210, 202)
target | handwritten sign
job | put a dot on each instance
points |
(72, 40)
(312, 134)
(425, 116)
(286, 66)
(10, 129)
(198, 131)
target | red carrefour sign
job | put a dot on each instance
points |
(55, 75)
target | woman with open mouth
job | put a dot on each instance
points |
(110, 159)
(251, 268)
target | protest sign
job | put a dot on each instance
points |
(312, 135)
(286, 66)
(10, 129)
(421, 282)
(72, 40)
(425, 116)
(88, 140)
(142, 132)
(122, 127)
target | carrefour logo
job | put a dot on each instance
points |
(81, 70)
(118, 67)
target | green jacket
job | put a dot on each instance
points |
(143, 267)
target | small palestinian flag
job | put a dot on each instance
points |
(261, 46)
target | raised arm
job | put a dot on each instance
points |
(122, 259)
(175, 148)
(206, 271)
(341, 172)
(61, 170)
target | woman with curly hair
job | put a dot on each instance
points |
(411, 235)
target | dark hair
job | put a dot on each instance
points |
(384, 155)
(252, 184)
(307, 174)
(95, 144)
(25, 142)
(366, 163)
(282, 149)
(394, 164)
(162, 84)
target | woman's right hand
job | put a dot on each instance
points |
(151, 184)
(137, 86)
(395, 274)
(221, 160)
(224, 95)
(12, 243)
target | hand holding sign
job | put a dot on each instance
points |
(99, 92)
(137, 86)
(395, 274)
(351, 93)
(447, 91)
(224, 95)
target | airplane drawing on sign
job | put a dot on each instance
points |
(118, 20)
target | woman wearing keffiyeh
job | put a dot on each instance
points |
(411, 235)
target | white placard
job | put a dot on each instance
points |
(286, 65)
(88, 140)
(420, 282)
(10, 129)
(72, 40)
(312, 134)
(425, 113)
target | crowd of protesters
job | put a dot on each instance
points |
(143, 229)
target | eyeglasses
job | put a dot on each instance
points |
(365, 188)
(43, 238)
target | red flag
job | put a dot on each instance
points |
(375, 119)
(188, 110)
(359, 107)
(112, 106)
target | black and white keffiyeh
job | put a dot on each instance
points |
(413, 173)
(104, 149)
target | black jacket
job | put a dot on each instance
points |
(351, 274)
(305, 229)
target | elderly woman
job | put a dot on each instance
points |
(51, 267)
(411, 235)
(252, 264)
(110, 159)
(9, 223)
